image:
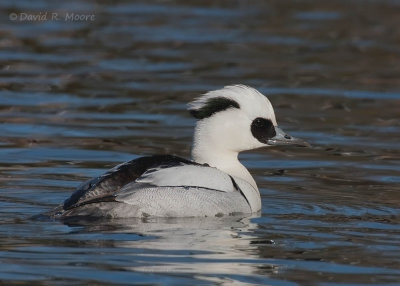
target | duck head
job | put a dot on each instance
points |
(237, 118)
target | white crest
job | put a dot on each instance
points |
(251, 101)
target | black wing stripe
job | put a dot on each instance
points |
(235, 185)
(193, 187)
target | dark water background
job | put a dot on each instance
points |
(78, 97)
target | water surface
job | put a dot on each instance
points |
(78, 97)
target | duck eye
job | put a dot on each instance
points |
(262, 129)
(260, 121)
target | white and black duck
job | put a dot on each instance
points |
(230, 120)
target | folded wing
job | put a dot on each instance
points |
(105, 187)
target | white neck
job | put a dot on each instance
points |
(208, 150)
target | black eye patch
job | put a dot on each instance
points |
(263, 129)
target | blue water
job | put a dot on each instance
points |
(77, 98)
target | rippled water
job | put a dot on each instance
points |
(77, 98)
